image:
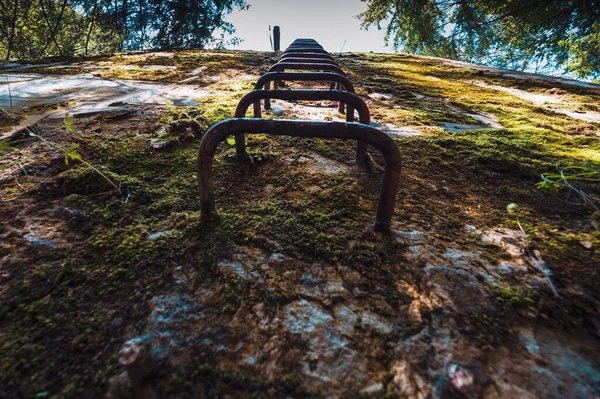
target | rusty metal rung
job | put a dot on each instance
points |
(325, 130)
(303, 55)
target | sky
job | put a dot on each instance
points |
(330, 22)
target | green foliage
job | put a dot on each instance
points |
(184, 23)
(513, 298)
(36, 29)
(69, 120)
(72, 154)
(584, 52)
(5, 147)
(512, 208)
(512, 34)
(568, 172)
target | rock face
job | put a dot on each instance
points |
(329, 361)
(465, 381)
(91, 93)
(337, 335)
(308, 301)
(138, 362)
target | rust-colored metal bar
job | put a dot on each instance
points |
(314, 60)
(340, 80)
(305, 50)
(283, 66)
(306, 55)
(305, 39)
(325, 130)
(305, 44)
(310, 58)
(351, 99)
(305, 76)
(303, 57)
(306, 66)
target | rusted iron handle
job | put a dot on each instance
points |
(308, 66)
(342, 81)
(327, 130)
(306, 55)
(286, 60)
(305, 50)
(283, 66)
(305, 40)
(311, 45)
(314, 60)
(305, 76)
(353, 101)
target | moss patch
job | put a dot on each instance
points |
(66, 309)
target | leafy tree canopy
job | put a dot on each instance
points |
(515, 34)
(32, 29)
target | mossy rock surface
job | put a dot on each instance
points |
(292, 273)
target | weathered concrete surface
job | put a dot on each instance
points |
(336, 339)
(426, 323)
(522, 75)
(90, 93)
(551, 102)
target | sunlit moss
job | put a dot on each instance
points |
(61, 310)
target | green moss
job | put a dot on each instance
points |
(61, 307)
(513, 298)
(181, 119)
(430, 92)
(493, 261)
(84, 180)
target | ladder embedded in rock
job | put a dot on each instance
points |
(303, 55)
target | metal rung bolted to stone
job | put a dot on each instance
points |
(301, 56)
(325, 130)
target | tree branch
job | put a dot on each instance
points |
(53, 31)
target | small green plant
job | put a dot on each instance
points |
(5, 147)
(515, 210)
(568, 173)
(70, 152)
(182, 121)
(512, 297)
(532, 256)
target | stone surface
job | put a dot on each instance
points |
(136, 358)
(465, 381)
(337, 337)
(545, 99)
(512, 241)
(91, 94)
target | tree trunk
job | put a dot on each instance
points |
(93, 17)
(53, 31)
(124, 24)
(142, 24)
(12, 33)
